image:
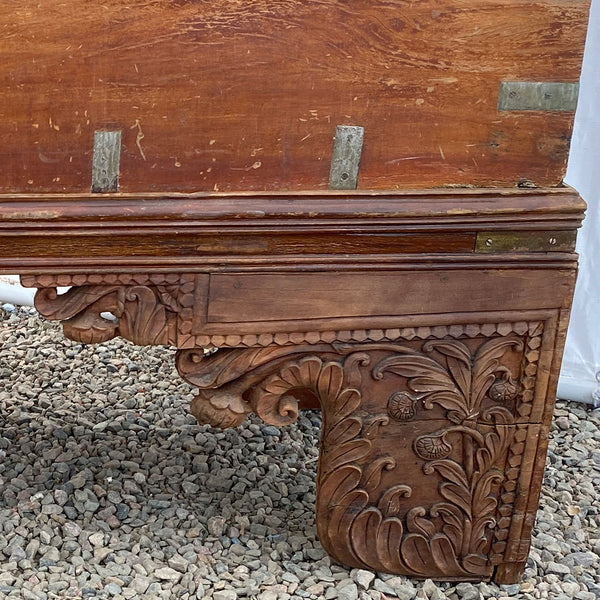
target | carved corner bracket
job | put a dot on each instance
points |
(456, 402)
(145, 313)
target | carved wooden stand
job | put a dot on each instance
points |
(422, 305)
(435, 371)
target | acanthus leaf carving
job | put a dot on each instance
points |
(452, 537)
(390, 502)
(373, 473)
(459, 388)
(145, 315)
(213, 370)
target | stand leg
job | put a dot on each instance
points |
(509, 573)
(415, 442)
(433, 441)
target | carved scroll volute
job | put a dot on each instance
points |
(80, 310)
(220, 402)
(234, 382)
(145, 315)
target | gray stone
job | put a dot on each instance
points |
(511, 589)
(363, 578)
(584, 559)
(97, 539)
(429, 587)
(51, 509)
(57, 586)
(383, 587)
(467, 591)
(315, 553)
(139, 477)
(71, 528)
(168, 574)
(225, 595)
(154, 590)
(348, 592)
(178, 563)
(32, 548)
(258, 529)
(560, 569)
(271, 430)
(331, 593)
(316, 589)
(50, 558)
(216, 526)
(570, 588)
(122, 511)
(113, 589)
(190, 488)
(17, 553)
(290, 577)
(45, 537)
(61, 497)
(405, 591)
(140, 584)
(78, 481)
(101, 553)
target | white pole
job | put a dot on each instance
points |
(12, 292)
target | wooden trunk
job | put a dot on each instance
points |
(170, 163)
(235, 95)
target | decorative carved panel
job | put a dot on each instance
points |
(428, 430)
(421, 442)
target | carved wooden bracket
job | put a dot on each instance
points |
(145, 314)
(445, 410)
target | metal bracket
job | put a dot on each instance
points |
(491, 242)
(540, 95)
(105, 161)
(345, 160)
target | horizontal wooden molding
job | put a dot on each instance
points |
(115, 233)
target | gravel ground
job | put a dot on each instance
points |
(109, 489)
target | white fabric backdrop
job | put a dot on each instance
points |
(582, 354)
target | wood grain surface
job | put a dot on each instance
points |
(245, 95)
